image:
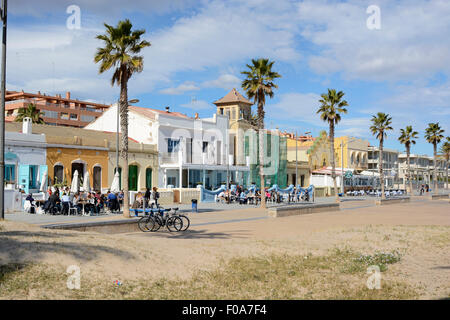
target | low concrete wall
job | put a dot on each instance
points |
(109, 227)
(438, 196)
(382, 202)
(293, 210)
(188, 194)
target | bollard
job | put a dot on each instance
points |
(194, 205)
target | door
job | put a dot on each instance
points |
(97, 183)
(80, 168)
(148, 178)
(132, 178)
(24, 177)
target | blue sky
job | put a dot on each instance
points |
(199, 49)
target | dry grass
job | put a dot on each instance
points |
(339, 275)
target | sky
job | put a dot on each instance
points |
(199, 48)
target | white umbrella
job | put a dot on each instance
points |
(86, 182)
(75, 183)
(43, 187)
(115, 183)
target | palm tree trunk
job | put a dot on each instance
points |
(380, 167)
(409, 169)
(446, 173)
(124, 143)
(261, 153)
(435, 169)
(333, 164)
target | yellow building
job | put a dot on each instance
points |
(76, 149)
(354, 152)
(298, 169)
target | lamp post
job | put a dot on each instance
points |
(3, 14)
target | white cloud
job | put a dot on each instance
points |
(295, 107)
(199, 105)
(413, 41)
(181, 89)
(225, 81)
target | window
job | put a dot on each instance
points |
(10, 173)
(73, 116)
(58, 174)
(87, 118)
(50, 114)
(148, 178)
(64, 116)
(205, 146)
(171, 181)
(172, 145)
(269, 145)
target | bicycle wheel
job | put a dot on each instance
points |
(186, 222)
(174, 224)
(158, 222)
(146, 224)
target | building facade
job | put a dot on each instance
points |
(422, 170)
(390, 165)
(191, 151)
(76, 149)
(57, 110)
(25, 158)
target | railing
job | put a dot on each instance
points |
(169, 158)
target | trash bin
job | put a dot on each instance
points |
(194, 205)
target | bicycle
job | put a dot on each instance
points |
(185, 219)
(157, 219)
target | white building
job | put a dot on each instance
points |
(422, 170)
(191, 150)
(25, 164)
(390, 164)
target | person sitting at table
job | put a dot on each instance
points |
(221, 196)
(113, 203)
(90, 204)
(29, 206)
(138, 201)
(52, 204)
(257, 196)
(65, 200)
(242, 198)
(76, 202)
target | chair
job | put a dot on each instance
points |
(72, 209)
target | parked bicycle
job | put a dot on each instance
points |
(185, 219)
(160, 217)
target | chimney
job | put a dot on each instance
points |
(196, 116)
(167, 109)
(68, 95)
(27, 126)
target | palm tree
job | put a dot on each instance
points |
(330, 110)
(259, 84)
(120, 52)
(434, 134)
(445, 150)
(406, 138)
(30, 111)
(381, 123)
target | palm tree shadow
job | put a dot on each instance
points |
(20, 248)
(200, 234)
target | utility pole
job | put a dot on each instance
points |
(3, 14)
(296, 158)
(342, 168)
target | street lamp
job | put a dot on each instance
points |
(3, 15)
(117, 132)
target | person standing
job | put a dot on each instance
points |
(155, 195)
